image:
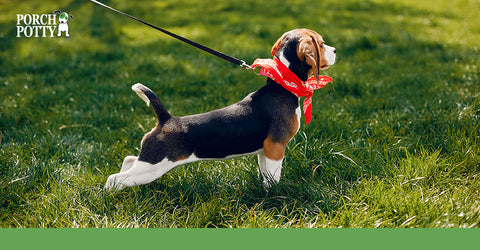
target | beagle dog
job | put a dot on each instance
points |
(262, 123)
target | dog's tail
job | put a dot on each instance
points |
(149, 97)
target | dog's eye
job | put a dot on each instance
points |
(321, 45)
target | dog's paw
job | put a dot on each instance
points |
(113, 184)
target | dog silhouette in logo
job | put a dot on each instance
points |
(63, 19)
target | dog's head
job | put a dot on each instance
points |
(63, 17)
(304, 52)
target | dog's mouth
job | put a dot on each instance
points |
(324, 67)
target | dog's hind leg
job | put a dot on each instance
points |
(128, 163)
(141, 172)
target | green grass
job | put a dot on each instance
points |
(394, 141)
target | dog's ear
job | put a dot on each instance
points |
(277, 44)
(71, 17)
(57, 12)
(308, 50)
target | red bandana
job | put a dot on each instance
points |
(277, 71)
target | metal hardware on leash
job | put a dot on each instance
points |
(183, 39)
(245, 65)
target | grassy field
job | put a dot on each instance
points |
(394, 141)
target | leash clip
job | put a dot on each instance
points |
(245, 65)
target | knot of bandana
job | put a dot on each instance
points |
(278, 72)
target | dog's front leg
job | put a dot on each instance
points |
(270, 170)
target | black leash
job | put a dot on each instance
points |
(183, 39)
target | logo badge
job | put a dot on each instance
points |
(43, 25)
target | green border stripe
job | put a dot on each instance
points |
(240, 238)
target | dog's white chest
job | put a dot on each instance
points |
(63, 27)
